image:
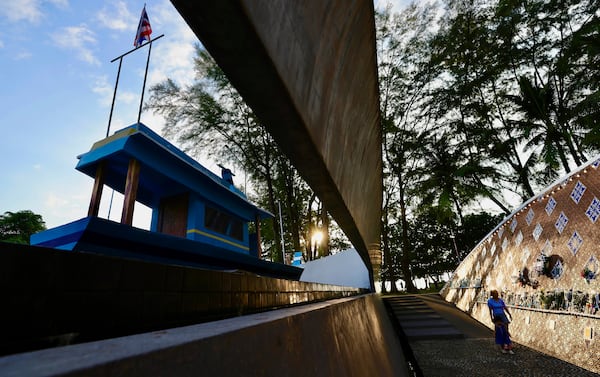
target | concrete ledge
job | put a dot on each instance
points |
(342, 337)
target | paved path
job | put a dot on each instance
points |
(447, 342)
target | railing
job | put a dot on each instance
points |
(558, 301)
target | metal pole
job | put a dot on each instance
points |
(281, 229)
(112, 195)
(456, 249)
(112, 106)
(452, 236)
(120, 59)
(144, 86)
(136, 48)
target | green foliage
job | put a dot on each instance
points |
(17, 227)
(209, 118)
(440, 245)
(433, 246)
(479, 99)
(474, 228)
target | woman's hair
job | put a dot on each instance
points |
(494, 293)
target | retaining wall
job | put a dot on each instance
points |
(53, 297)
(342, 337)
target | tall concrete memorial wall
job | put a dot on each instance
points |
(544, 259)
(308, 69)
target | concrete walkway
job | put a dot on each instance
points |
(447, 342)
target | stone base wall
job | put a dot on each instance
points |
(53, 297)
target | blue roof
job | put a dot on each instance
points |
(165, 171)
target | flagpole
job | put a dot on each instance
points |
(136, 48)
(112, 106)
(120, 59)
(144, 85)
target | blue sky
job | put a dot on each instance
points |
(57, 86)
(57, 83)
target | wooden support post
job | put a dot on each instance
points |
(258, 245)
(131, 186)
(97, 191)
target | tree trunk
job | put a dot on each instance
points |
(325, 247)
(571, 146)
(406, 259)
(387, 258)
(276, 253)
(292, 208)
(310, 228)
(563, 157)
(492, 197)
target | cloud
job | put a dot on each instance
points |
(55, 201)
(78, 39)
(60, 3)
(173, 60)
(23, 55)
(174, 55)
(66, 206)
(153, 121)
(24, 10)
(396, 5)
(103, 89)
(127, 97)
(116, 16)
(27, 10)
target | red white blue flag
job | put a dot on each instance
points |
(144, 29)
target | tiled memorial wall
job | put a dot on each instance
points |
(544, 259)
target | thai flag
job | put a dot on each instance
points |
(144, 29)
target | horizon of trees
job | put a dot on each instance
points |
(17, 227)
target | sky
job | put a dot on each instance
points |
(56, 88)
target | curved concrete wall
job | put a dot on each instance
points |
(308, 69)
(536, 258)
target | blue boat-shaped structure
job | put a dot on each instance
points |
(198, 218)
